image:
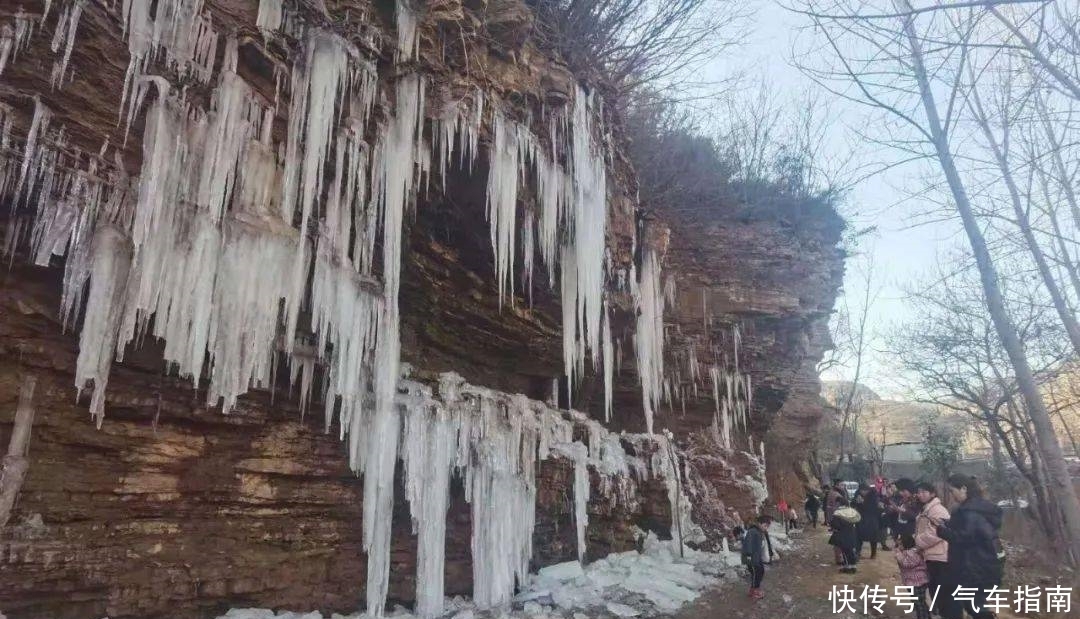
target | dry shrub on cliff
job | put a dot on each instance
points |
(631, 43)
(762, 156)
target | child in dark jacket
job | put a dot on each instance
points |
(913, 572)
(755, 546)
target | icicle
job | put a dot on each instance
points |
(269, 17)
(502, 190)
(109, 268)
(581, 497)
(501, 490)
(609, 363)
(397, 154)
(178, 28)
(649, 335)
(583, 258)
(14, 38)
(232, 123)
(320, 76)
(38, 127)
(552, 194)
(407, 41)
(669, 290)
(429, 448)
(65, 33)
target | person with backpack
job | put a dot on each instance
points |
(935, 549)
(913, 572)
(755, 545)
(812, 507)
(974, 545)
(844, 536)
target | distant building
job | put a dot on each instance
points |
(902, 452)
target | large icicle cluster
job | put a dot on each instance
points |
(494, 442)
(570, 228)
(241, 254)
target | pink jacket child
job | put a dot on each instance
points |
(912, 567)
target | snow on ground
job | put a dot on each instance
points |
(626, 584)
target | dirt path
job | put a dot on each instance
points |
(798, 585)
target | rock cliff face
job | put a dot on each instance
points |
(172, 509)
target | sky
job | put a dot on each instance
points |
(903, 247)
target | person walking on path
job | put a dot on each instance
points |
(844, 536)
(972, 535)
(782, 507)
(833, 498)
(792, 518)
(754, 553)
(934, 549)
(885, 531)
(869, 508)
(812, 506)
(913, 573)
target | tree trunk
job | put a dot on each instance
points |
(1057, 471)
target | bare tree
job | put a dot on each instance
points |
(953, 357)
(902, 66)
(852, 337)
(1001, 157)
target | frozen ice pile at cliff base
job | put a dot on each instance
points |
(626, 584)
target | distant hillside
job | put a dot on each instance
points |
(900, 420)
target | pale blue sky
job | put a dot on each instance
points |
(902, 249)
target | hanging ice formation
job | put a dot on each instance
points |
(509, 149)
(64, 35)
(649, 335)
(395, 156)
(494, 441)
(269, 17)
(583, 259)
(224, 234)
(178, 29)
(407, 41)
(14, 37)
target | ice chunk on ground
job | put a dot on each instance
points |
(621, 610)
(562, 572)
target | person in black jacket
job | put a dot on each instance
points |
(869, 507)
(813, 506)
(903, 508)
(972, 533)
(844, 537)
(755, 545)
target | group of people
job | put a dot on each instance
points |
(937, 551)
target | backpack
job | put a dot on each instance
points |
(848, 514)
(748, 541)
